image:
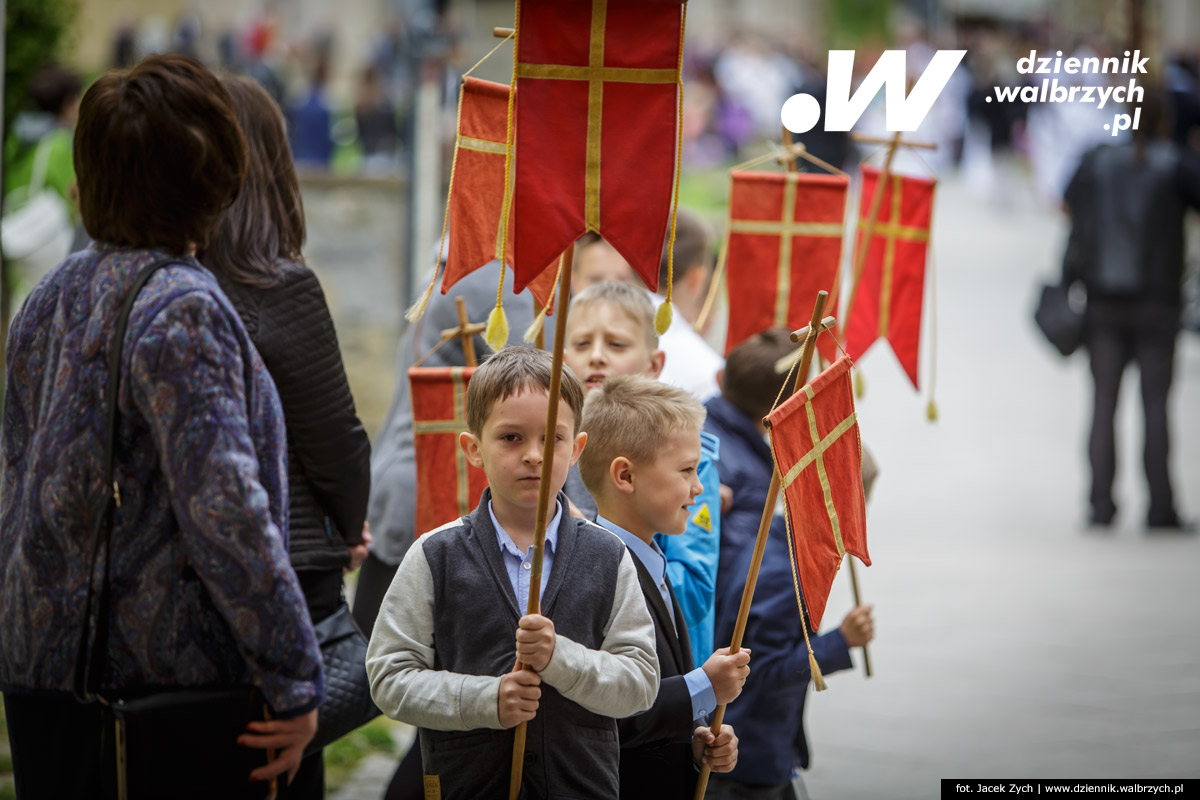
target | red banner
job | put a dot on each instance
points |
(447, 486)
(785, 245)
(887, 303)
(596, 123)
(477, 191)
(814, 436)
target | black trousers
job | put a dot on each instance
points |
(1119, 332)
(374, 578)
(60, 748)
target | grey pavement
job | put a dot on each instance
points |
(1012, 643)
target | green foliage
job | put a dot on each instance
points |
(343, 756)
(854, 23)
(35, 33)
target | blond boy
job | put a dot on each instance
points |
(641, 469)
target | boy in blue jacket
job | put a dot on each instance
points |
(770, 712)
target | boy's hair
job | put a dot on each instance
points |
(630, 299)
(693, 248)
(631, 416)
(750, 382)
(512, 371)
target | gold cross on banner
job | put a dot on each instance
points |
(893, 231)
(455, 426)
(596, 75)
(817, 455)
(785, 229)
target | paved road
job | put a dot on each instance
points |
(1012, 642)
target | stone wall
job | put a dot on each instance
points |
(357, 239)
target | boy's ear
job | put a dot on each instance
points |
(721, 378)
(620, 472)
(657, 359)
(470, 447)
(577, 448)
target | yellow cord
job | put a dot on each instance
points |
(539, 321)
(931, 412)
(417, 309)
(496, 334)
(662, 319)
(814, 669)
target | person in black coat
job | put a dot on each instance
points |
(255, 255)
(1128, 203)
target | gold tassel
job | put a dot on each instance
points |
(417, 309)
(859, 385)
(535, 328)
(931, 411)
(496, 334)
(662, 319)
(817, 678)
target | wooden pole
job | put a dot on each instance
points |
(764, 525)
(539, 341)
(865, 139)
(857, 603)
(790, 158)
(860, 257)
(464, 323)
(543, 511)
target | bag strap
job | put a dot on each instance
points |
(87, 661)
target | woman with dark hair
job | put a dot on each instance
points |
(201, 592)
(255, 254)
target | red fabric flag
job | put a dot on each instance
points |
(477, 193)
(887, 304)
(785, 245)
(596, 118)
(447, 486)
(814, 436)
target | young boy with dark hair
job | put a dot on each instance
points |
(442, 653)
(641, 470)
(771, 710)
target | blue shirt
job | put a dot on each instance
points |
(704, 699)
(692, 558)
(520, 565)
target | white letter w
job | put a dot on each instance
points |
(902, 113)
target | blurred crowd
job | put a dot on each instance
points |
(734, 89)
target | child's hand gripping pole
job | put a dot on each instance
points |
(539, 543)
(817, 324)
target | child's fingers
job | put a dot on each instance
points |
(526, 677)
(740, 659)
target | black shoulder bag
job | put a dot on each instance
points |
(179, 743)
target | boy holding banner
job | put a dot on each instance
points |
(442, 653)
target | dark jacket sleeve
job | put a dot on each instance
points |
(324, 432)
(668, 720)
